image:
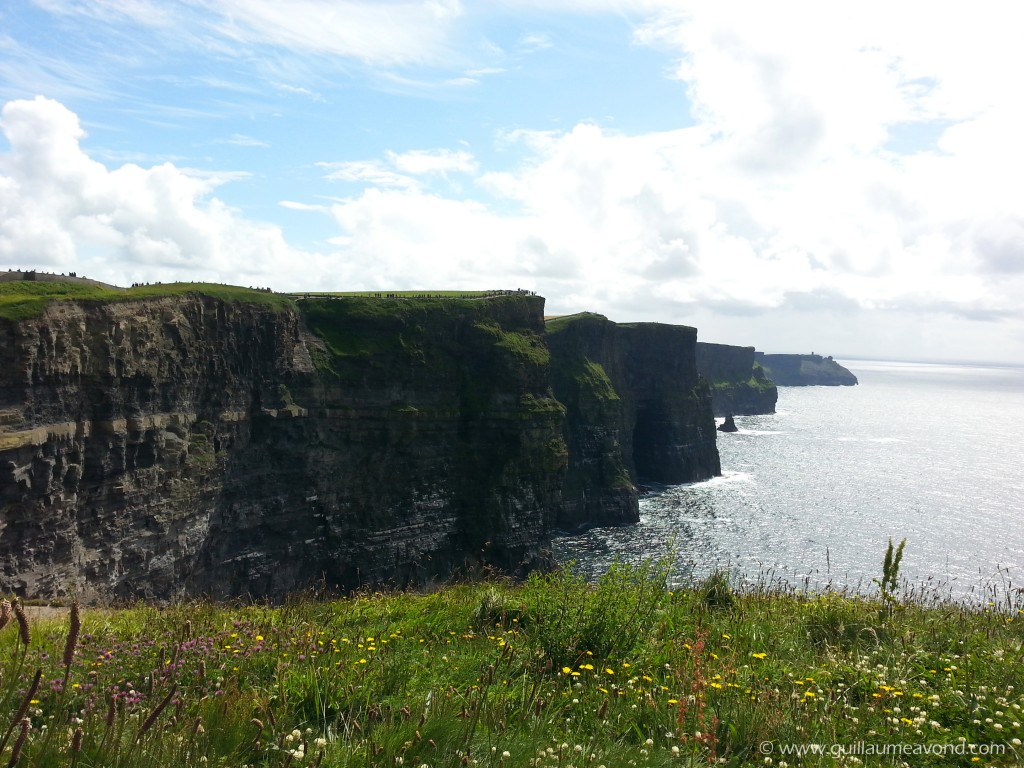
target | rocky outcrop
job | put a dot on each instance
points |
(805, 370)
(636, 410)
(729, 425)
(739, 385)
(191, 445)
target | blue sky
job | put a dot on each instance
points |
(842, 177)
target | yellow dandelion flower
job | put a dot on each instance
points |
(566, 670)
(759, 655)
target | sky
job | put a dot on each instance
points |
(840, 177)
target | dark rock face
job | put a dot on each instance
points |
(189, 445)
(805, 370)
(739, 385)
(636, 409)
(729, 425)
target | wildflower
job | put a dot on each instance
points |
(759, 655)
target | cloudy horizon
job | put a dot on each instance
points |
(839, 177)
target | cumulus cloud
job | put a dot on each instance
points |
(59, 207)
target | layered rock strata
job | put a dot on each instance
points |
(637, 409)
(739, 385)
(154, 446)
(190, 445)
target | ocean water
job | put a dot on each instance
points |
(812, 494)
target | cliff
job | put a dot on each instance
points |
(805, 370)
(183, 440)
(739, 385)
(152, 445)
(637, 409)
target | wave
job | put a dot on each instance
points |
(729, 476)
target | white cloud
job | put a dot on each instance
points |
(59, 207)
(383, 32)
(144, 12)
(368, 171)
(241, 140)
(442, 161)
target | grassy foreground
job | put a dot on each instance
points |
(554, 672)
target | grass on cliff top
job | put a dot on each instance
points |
(551, 673)
(405, 294)
(26, 299)
(561, 322)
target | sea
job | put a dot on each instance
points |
(810, 496)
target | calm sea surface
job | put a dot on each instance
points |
(813, 493)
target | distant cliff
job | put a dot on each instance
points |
(805, 370)
(208, 440)
(739, 385)
(636, 410)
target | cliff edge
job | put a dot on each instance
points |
(805, 370)
(184, 440)
(235, 444)
(739, 385)
(637, 409)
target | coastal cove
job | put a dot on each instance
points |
(812, 493)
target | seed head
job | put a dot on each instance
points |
(23, 628)
(73, 631)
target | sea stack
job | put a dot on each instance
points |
(728, 425)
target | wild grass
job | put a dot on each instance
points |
(23, 300)
(551, 672)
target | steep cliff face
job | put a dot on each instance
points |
(739, 385)
(636, 410)
(805, 370)
(190, 445)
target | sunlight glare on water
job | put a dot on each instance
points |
(814, 492)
